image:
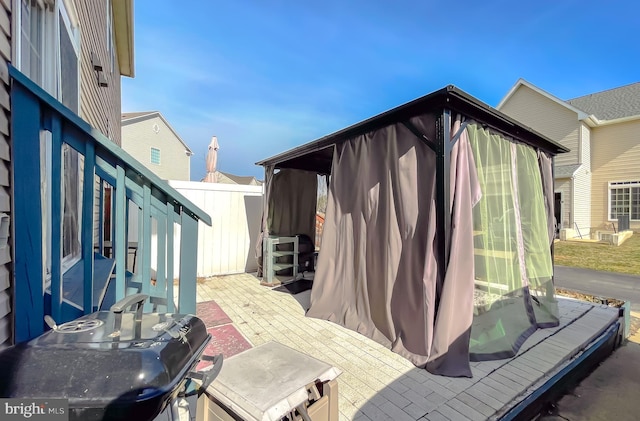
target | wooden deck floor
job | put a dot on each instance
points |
(377, 384)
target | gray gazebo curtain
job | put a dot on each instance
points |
(450, 349)
(264, 222)
(289, 206)
(292, 203)
(378, 270)
(378, 240)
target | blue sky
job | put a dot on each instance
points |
(266, 76)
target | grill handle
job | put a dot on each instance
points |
(119, 307)
(207, 376)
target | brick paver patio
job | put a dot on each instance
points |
(377, 384)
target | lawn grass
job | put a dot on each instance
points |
(597, 256)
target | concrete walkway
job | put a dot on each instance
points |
(377, 384)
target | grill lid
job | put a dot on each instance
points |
(93, 364)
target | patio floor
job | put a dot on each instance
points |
(377, 384)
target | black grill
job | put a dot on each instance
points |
(111, 364)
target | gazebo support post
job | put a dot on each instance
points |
(443, 164)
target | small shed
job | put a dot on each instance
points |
(438, 233)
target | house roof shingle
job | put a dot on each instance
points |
(565, 171)
(611, 104)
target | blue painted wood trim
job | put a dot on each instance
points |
(57, 209)
(120, 240)
(100, 217)
(161, 238)
(106, 171)
(88, 190)
(126, 229)
(108, 149)
(28, 263)
(170, 257)
(188, 264)
(112, 234)
(146, 243)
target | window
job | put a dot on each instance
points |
(31, 61)
(624, 199)
(69, 81)
(155, 156)
(48, 51)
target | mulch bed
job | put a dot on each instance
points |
(612, 302)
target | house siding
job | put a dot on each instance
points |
(582, 183)
(582, 200)
(99, 105)
(615, 157)
(547, 117)
(585, 146)
(6, 318)
(564, 186)
(139, 137)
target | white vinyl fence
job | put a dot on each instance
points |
(228, 246)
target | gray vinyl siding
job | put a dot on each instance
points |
(99, 105)
(139, 137)
(6, 302)
(564, 186)
(547, 117)
(615, 157)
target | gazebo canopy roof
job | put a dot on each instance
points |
(317, 155)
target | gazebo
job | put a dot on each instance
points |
(438, 233)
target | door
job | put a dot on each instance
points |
(557, 212)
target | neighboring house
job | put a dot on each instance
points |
(149, 138)
(600, 178)
(226, 178)
(59, 126)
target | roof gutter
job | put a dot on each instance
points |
(618, 120)
(123, 29)
(590, 120)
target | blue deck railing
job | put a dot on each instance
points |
(110, 182)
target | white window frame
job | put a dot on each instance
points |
(53, 12)
(48, 29)
(621, 185)
(159, 156)
(66, 10)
